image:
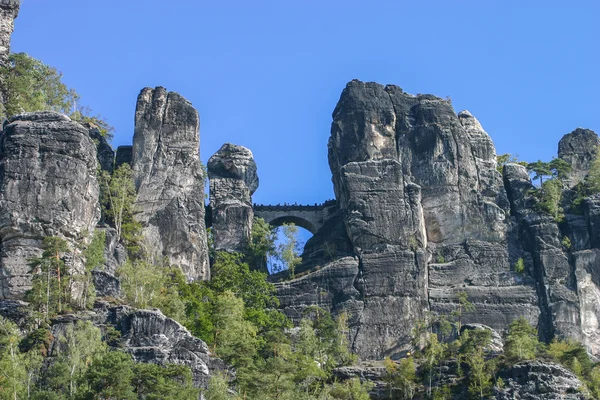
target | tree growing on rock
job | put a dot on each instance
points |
(521, 342)
(50, 290)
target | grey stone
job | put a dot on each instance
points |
(578, 148)
(170, 182)
(233, 180)
(105, 153)
(533, 380)
(48, 187)
(147, 335)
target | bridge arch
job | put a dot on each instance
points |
(309, 217)
(292, 219)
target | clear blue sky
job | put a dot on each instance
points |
(267, 74)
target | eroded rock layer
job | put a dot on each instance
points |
(170, 182)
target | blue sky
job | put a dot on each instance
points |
(267, 74)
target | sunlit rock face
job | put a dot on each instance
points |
(48, 187)
(170, 181)
(233, 180)
(427, 216)
(578, 148)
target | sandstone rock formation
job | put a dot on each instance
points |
(48, 187)
(233, 180)
(426, 213)
(578, 148)
(533, 380)
(148, 336)
(170, 182)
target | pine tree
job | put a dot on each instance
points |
(522, 342)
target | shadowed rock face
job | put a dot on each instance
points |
(170, 182)
(48, 187)
(233, 180)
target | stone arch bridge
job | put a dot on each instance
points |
(309, 217)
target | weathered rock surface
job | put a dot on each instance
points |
(578, 148)
(533, 380)
(148, 336)
(426, 215)
(170, 182)
(48, 187)
(233, 180)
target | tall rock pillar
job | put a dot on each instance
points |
(233, 180)
(48, 187)
(170, 182)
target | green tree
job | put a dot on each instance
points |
(94, 258)
(217, 388)
(32, 85)
(549, 197)
(519, 266)
(289, 250)
(480, 375)
(464, 306)
(559, 168)
(110, 377)
(13, 374)
(352, 389)
(141, 282)
(156, 382)
(83, 344)
(506, 158)
(522, 341)
(118, 197)
(51, 282)
(433, 355)
(540, 169)
(234, 337)
(262, 244)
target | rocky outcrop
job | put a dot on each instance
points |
(426, 215)
(578, 148)
(48, 187)
(533, 380)
(170, 182)
(147, 335)
(233, 180)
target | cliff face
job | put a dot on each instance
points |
(428, 216)
(48, 187)
(169, 181)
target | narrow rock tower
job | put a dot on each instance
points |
(170, 182)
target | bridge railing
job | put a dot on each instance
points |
(293, 207)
